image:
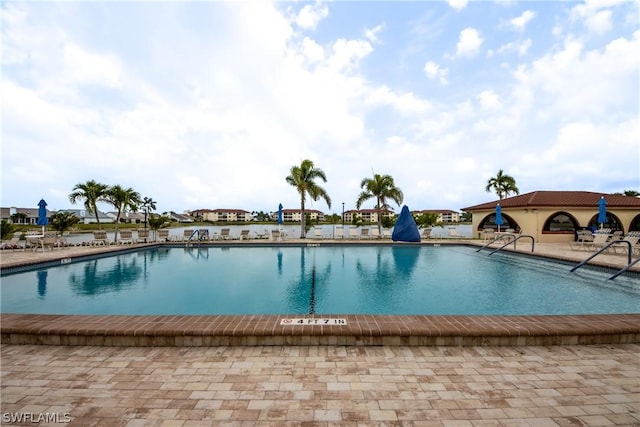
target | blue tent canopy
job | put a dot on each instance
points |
(405, 229)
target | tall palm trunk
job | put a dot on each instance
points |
(303, 232)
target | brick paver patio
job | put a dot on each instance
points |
(325, 385)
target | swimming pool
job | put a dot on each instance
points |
(399, 280)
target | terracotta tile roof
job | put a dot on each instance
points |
(560, 198)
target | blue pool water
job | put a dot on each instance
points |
(399, 280)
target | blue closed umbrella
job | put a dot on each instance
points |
(602, 211)
(280, 213)
(498, 216)
(42, 214)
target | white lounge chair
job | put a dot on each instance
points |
(100, 238)
(317, 233)
(339, 233)
(47, 241)
(244, 235)
(143, 235)
(353, 233)
(375, 233)
(163, 235)
(488, 234)
(364, 233)
(426, 233)
(13, 243)
(125, 237)
(453, 233)
(632, 237)
(583, 240)
(600, 238)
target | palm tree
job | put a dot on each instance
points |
(502, 184)
(62, 221)
(122, 199)
(92, 192)
(303, 178)
(157, 222)
(147, 205)
(380, 187)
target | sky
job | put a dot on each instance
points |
(208, 104)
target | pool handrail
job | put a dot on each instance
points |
(604, 248)
(508, 243)
(514, 243)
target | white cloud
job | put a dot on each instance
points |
(600, 22)
(434, 71)
(312, 51)
(194, 114)
(489, 100)
(348, 53)
(595, 14)
(458, 4)
(519, 23)
(90, 68)
(406, 103)
(372, 33)
(521, 48)
(469, 42)
(310, 15)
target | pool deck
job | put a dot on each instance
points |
(324, 385)
(339, 329)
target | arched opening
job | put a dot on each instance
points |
(613, 223)
(635, 224)
(560, 223)
(489, 221)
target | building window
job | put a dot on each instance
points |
(560, 222)
(613, 223)
(507, 223)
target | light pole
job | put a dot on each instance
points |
(343, 215)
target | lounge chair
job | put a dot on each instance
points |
(375, 233)
(453, 233)
(225, 234)
(126, 237)
(583, 240)
(632, 237)
(364, 233)
(163, 235)
(488, 234)
(13, 243)
(353, 233)
(276, 235)
(617, 235)
(244, 235)
(599, 240)
(317, 233)
(339, 233)
(386, 233)
(143, 235)
(186, 235)
(426, 234)
(100, 238)
(47, 241)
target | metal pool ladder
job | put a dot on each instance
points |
(630, 263)
(508, 243)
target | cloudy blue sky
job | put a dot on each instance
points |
(208, 104)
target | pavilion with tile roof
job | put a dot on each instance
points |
(555, 216)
